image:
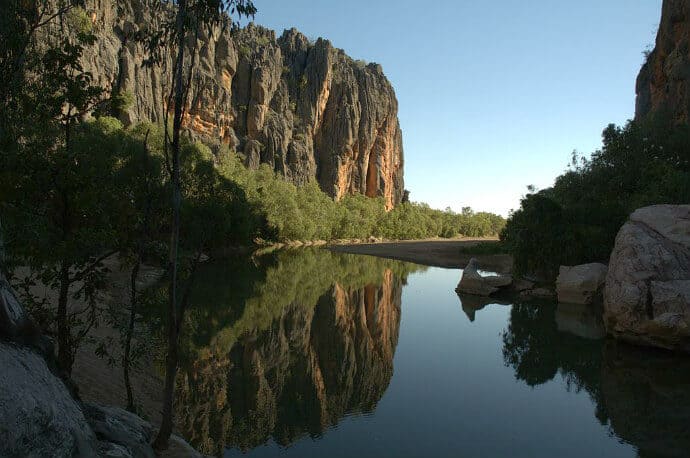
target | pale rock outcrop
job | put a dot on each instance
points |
(581, 284)
(472, 282)
(647, 294)
(302, 107)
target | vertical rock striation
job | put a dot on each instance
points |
(304, 108)
(664, 80)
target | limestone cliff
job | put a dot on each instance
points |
(303, 107)
(663, 85)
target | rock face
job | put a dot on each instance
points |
(304, 108)
(581, 284)
(472, 282)
(647, 294)
(663, 85)
(38, 416)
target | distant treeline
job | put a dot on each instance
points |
(576, 221)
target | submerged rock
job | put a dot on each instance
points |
(581, 284)
(647, 294)
(472, 282)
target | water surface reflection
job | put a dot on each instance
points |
(313, 353)
(311, 342)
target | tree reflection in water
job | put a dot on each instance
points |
(643, 395)
(287, 348)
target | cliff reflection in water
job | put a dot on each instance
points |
(287, 349)
(642, 395)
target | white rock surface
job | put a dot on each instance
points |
(582, 284)
(472, 282)
(647, 293)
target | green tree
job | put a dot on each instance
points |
(642, 163)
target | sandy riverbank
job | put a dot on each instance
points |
(451, 254)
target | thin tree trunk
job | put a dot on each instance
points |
(65, 357)
(165, 431)
(126, 357)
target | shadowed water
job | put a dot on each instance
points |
(313, 353)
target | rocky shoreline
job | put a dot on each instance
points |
(41, 413)
(644, 290)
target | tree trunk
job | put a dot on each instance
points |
(165, 431)
(126, 357)
(161, 442)
(65, 357)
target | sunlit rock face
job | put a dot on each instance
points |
(663, 85)
(303, 107)
(299, 375)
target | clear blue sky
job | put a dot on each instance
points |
(493, 95)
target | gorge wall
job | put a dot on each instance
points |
(303, 107)
(663, 85)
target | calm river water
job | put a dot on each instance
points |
(317, 354)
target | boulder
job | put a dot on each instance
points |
(38, 416)
(647, 293)
(581, 284)
(522, 284)
(124, 434)
(13, 319)
(472, 282)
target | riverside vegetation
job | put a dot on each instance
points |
(645, 162)
(77, 186)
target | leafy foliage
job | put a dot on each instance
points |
(576, 221)
(306, 213)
